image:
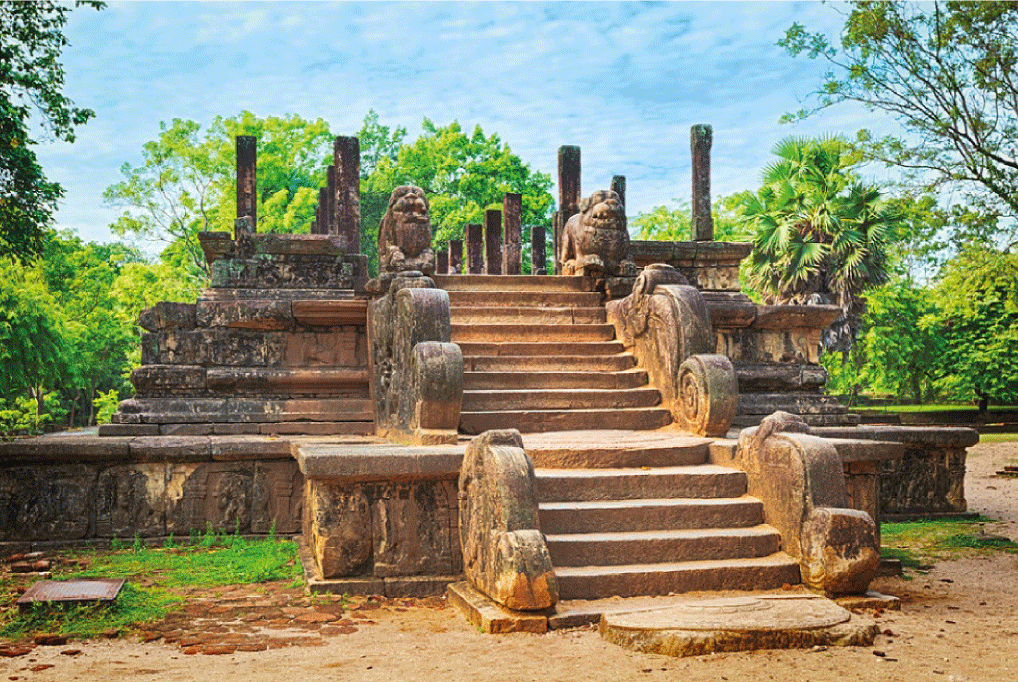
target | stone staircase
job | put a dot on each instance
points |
(635, 514)
(539, 356)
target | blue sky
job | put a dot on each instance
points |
(625, 81)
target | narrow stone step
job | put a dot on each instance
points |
(649, 514)
(631, 580)
(511, 348)
(532, 332)
(632, 378)
(534, 421)
(701, 481)
(602, 449)
(549, 363)
(559, 399)
(549, 299)
(618, 548)
(526, 315)
(510, 283)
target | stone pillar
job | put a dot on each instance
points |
(330, 201)
(456, 256)
(346, 155)
(512, 250)
(247, 178)
(619, 187)
(538, 251)
(475, 249)
(493, 241)
(568, 194)
(442, 266)
(701, 137)
(321, 216)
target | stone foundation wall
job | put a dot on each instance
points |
(61, 489)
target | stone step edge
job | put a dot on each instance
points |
(758, 530)
(646, 502)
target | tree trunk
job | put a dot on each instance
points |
(984, 405)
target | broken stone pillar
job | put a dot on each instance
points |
(512, 251)
(538, 250)
(247, 178)
(330, 200)
(321, 217)
(347, 160)
(619, 187)
(475, 249)
(493, 241)
(504, 552)
(700, 139)
(456, 256)
(442, 267)
(568, 194)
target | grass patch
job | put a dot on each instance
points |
(998, 437)
(917, 544)
(153, 573)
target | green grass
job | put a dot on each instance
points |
(927, 408)
(209, 560)
(917, 544)
(998, 437)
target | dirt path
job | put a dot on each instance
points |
(958, 622)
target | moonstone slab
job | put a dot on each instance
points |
(703, 626)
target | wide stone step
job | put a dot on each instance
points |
(632, 378)
(701, 481)
(532, 332)
(631, 580)
(547, 299)
(649, 514)
(618, 548)
(559, 399)
(603, 449)
(526, 315)
(183, 410)
(549, 363)
(511, 348)
(510, 283)
(534, 421)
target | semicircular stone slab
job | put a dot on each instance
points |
(703, 626)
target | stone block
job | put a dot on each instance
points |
(309, 272)
(411, 528)
(277, 497)
(106, 430)
(167, 315)
(245, 314)
(211, 493)
(131, 499)
(344, 347)
(157, 380)
(47, 503)
(418, 586)
(337, 528)
(331, 313)
(180, 449)
(184, 429)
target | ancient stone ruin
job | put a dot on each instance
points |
(543, 446)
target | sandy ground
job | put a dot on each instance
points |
(958, 622)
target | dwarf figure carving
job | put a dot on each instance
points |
(596, 238)
(404, 236)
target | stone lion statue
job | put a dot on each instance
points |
(596, 238)
(404, 236)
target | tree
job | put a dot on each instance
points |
(31, 80)
(463, 175)
(33, 353)
(187, 181)
(820, 235)
(898, 349)
(978, 297)
(664, 224)
(947, 73)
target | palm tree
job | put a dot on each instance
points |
(820, 234)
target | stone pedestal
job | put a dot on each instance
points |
(276, 345)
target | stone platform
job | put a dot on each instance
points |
(687, 625)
